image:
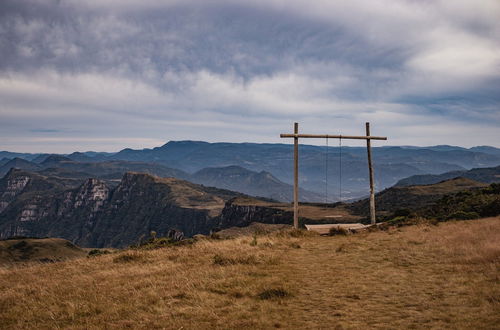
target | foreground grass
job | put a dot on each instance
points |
(444, 276)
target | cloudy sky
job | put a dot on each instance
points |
(108, 74)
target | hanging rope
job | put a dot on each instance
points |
(340, 169)
(326, 172)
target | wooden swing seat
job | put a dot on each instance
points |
(324, 229)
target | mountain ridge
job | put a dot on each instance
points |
(346, 167)
(248, 182)
(485, 175)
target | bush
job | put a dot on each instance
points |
(462, 215)
(494, 188)
(277, 293)
(400, 221)
(97, 252)
(338, 231)
(128, 257)
(254, 240)
(474, 203)
(227, 261)
(491, 209)
(402, 213)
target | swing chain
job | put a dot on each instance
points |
(326, 172)
(340, 169)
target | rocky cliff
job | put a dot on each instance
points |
(90, 213)
(93, 214)
(239, 213)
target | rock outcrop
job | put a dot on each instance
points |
(92, 214)
(236, 214)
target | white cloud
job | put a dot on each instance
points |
(227, 70)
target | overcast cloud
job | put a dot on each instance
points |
(109, 74)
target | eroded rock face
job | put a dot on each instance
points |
(46, 208)
(14, 186)
(33, 210)
(235, 215)
(92, 195)
(95, 215)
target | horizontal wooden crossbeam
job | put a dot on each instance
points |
(327, 136)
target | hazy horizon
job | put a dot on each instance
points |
(331, 144)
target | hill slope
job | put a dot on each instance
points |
(435, 277)
(485, 175)
(18, 163)
(38, 250)
(262, 184)
(414, 197)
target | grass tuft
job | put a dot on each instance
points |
(296, 233)
(338, 231)
(240, 260)
(254, 240)
(127, 257)
(275, 293)
(97, 252)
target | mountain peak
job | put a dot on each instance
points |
(18, 163)
(55, 159)
(183, 143)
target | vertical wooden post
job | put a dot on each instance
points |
(370, 169)
(296, 177)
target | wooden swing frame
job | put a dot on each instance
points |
(296, 137)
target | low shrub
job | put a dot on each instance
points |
(241, 260)
(401, 213)
(266, 245)
(462, 215)
(338, 231)
(156, 243)
(127, 257)
(97, 252)
(254, 240)
(275, 293)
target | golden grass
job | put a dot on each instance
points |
(422, 276)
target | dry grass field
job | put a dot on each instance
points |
(421, 276)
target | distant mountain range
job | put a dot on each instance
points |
(261, 184)
(324, 172)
